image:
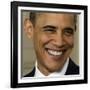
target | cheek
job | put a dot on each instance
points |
(40, 39)
(43, 39)
(69, 41)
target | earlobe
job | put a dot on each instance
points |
(28, 28)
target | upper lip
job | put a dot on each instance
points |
(55, 49)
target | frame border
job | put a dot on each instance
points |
(14, 43)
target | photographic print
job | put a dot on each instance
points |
(48, 44)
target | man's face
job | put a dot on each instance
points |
(53, 37)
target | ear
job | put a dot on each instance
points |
(28, 28)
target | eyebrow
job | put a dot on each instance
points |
(54, 27)
(49, 26)
(68, 28)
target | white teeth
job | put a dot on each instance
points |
(53, 52)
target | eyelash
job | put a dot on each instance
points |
(49, 30)
(68, 32)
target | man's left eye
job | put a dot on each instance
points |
(69, 32)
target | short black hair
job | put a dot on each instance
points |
(33, 15)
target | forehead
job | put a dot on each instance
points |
(54, 18)
(69, 17)
(65, 15)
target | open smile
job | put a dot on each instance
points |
(54, 52)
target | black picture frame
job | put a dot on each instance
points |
(14, 43)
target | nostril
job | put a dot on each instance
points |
(59, 40)
(59, 43)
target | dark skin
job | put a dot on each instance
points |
(53, 38)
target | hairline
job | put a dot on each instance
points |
(33, 16)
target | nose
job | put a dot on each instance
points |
(59, 40)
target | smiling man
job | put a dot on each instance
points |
(53, 39)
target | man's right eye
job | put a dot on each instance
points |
(50, 30)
